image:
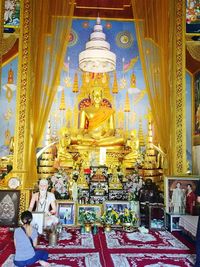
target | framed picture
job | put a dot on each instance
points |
(9, 207)
(89, 207)
(66, 212)
(118, 206)
(38, 221)
(180, 196)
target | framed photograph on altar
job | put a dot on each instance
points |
(180, 195)
(9, 207)
(66, 211)
(88, 207)
(118, 206)
(38, 221)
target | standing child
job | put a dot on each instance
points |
(25, 240)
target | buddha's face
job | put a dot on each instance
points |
(97, 96)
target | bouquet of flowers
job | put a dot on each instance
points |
(109, 217)
(58, 184)
(135, 182)
(128, 217)
(87, 217)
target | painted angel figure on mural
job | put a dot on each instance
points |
(10, 6)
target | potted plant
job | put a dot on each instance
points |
(110, 217)
(128, 219)
(87, 218)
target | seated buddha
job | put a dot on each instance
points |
(97, 123)
(133, 155)
(63, 155)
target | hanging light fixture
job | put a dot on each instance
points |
(97, 57)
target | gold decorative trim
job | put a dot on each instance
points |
(23, 92)
(24, 200)
(180, 129)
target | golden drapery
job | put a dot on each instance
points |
(51, 25)
(154, 34)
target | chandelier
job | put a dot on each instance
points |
(97, 57)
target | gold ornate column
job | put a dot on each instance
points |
(22, 134)
(178, 141)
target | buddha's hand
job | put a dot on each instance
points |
(108, 133)
(79, 138)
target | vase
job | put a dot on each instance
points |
(95, 229)
(53, 239)
(107, 228)
(87, 227)
(128, 227)
(135, 207)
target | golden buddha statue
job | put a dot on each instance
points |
(132, 143)
(82, 182)
(97, 123)
(63, 156)
(114, 182)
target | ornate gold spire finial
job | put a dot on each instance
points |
(115, 85)
(127, 103)
(75, 85)
(62, 101)
(141, 134)
(10, 76)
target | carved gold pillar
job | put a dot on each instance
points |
(22, 134)
(178, 140)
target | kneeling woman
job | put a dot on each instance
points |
(25, 239)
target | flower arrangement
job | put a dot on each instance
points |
(135, 182)
(58, 184)
(110, 217)
(128, 217)
(87, 217)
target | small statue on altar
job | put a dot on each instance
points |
(149, 192)
(133, 143)
(114, 182)
(64, 143)
(82, 182)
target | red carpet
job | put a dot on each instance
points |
(152, 240)
(115, 249)
(71, 239)
(152, 259)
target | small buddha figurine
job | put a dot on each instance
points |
(114, 181)
(97, 123)
(64, 142)
(82, 183)
(132, 143)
